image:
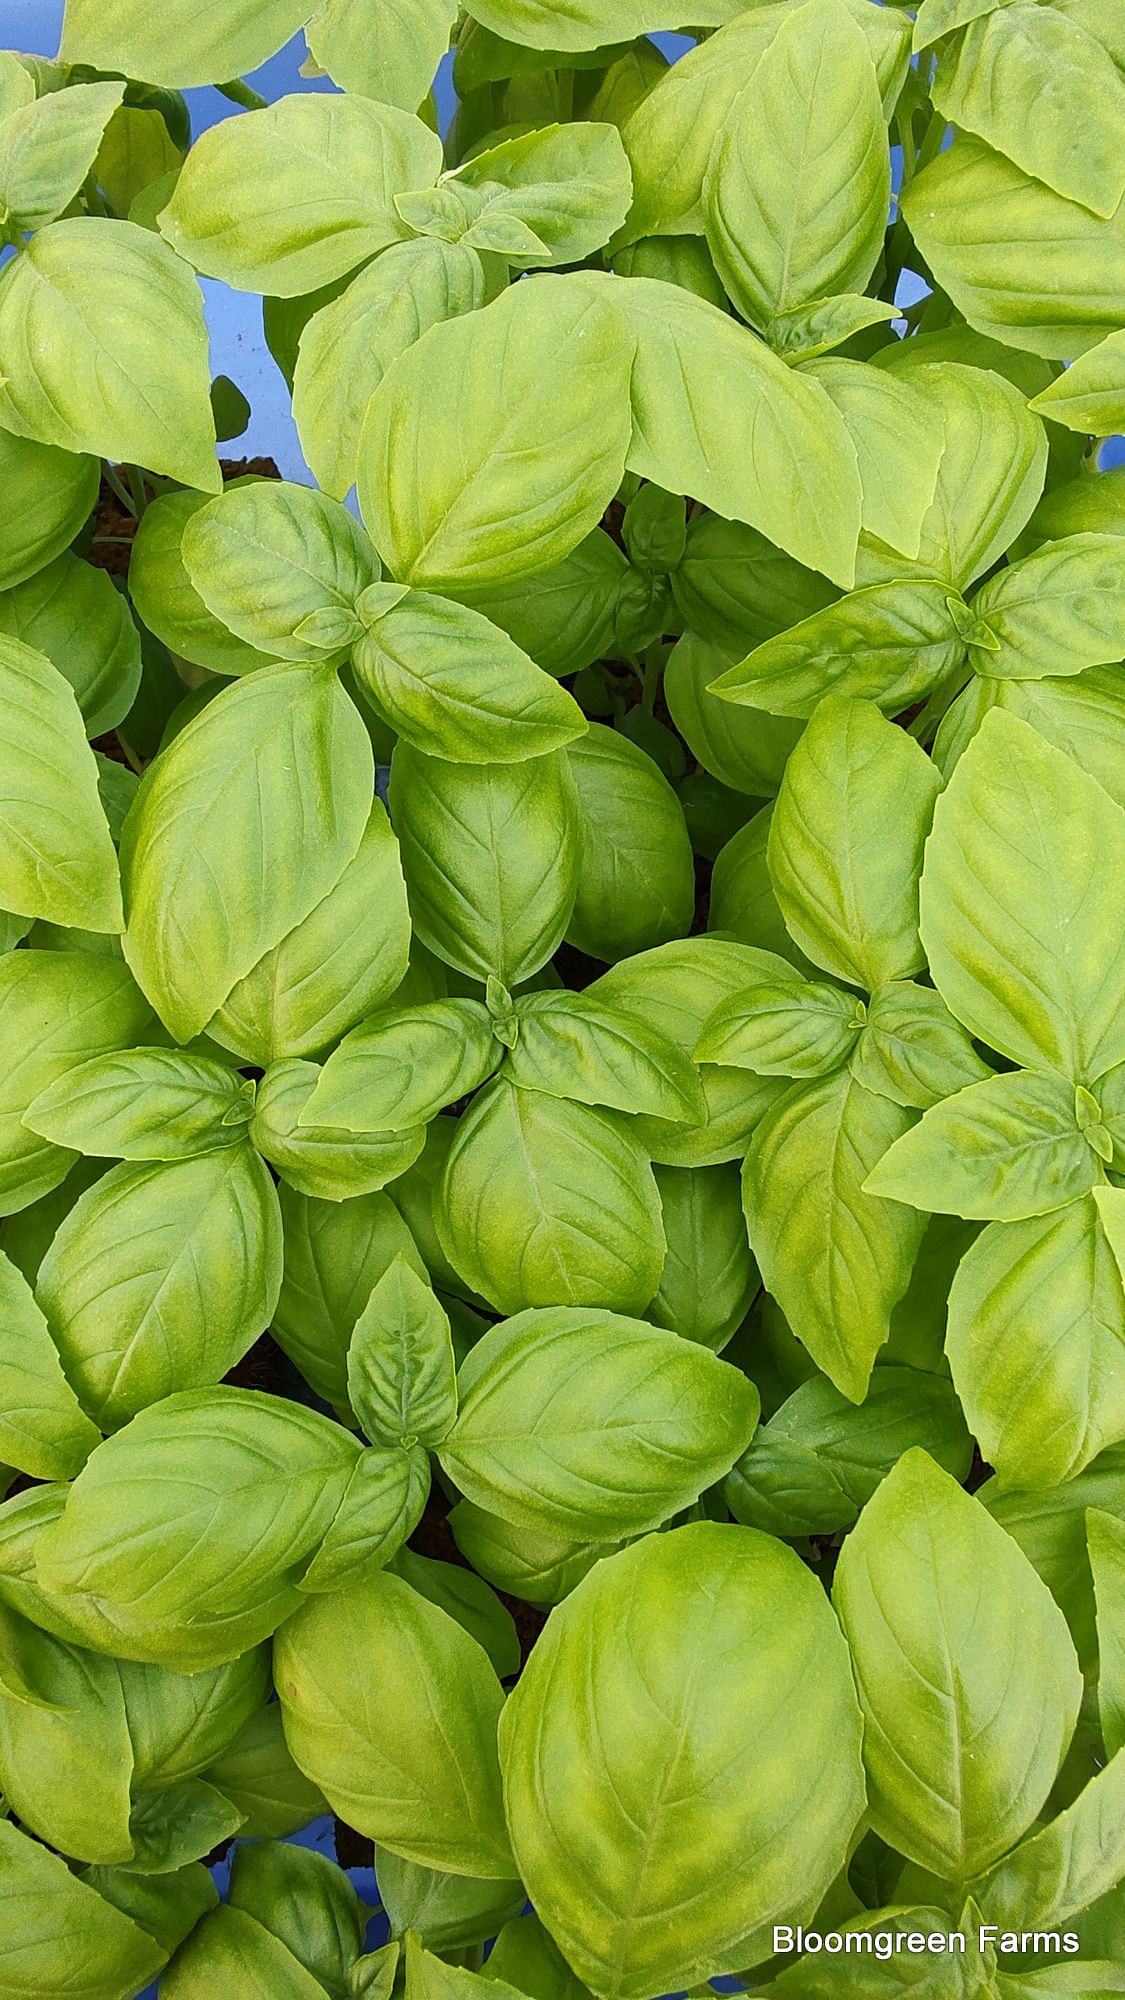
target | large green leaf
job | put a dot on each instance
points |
(490, 855)
(899, 437)
(347, 347)
(586, 24)
(716, 1778)
(395, 65)
(315, 178)
(72, 613)
(846, 841)
(185, 1533)
(532, 1442)
(144, 1104)
(836, 1259)
(888, 644)
(1090, 394)
(494, 444)
(404, 1064)
(966, 1674)
(54, 1920)
(1045, 93)
(105, 349)
(50, 493)
(272, 781)
(635, 879)
(161, 1277)
(544, 1201)
(1020, 831)
(1083, 715)
(999, 1151)
(191, 42)
(66, 1760)
(281, 566)
(47, 149)
(339, 963)
(717, 416)
(406, 1753)
(798, 187)
(456, 686)
(56, 855)
(43, 1429)
(305, 1901)
(984, 228)
(1035, 1341)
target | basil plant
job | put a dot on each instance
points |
(562, 1005)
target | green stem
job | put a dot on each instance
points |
(137, 489)
(241, 93)
(650, 677)
(931, 144)
(121, 492)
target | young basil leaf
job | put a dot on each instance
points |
(798, 186)
(1020, 828)
(316, 177)
(217, 812)
(1041, 1408)
(1057, 612)
(456, 686)
(161, 1277)
(71, 613)
(56, 855)
(889, 644)
(56, 1009)
(201, 42)
(803, 333)
(635, 876)
(817, 1462)
(48, 147)
(187, 1531)
(965, 1670)
(899, 440)
(570, 184)
(346, 958)
(912, 1050)
(304, 1901)
(528, 1444)
(347, 347)
(84, 285)
(50, 493)
(999, 1151)
(783, 1028)
(335, 1254)
(544, 1199)
(491, 859)
(407, 1755)
(382, 1506)
(281, 567)
(598, 1745)
(330, 1162)
(494, 444)
(1105, 1537)
(849, 895)
(402, 1065)
(43, 1429)
(53, 1916)
(571, 1047)
(401, 1371)
(144, 1104)
(178, 1824)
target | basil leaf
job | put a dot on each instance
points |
(335, 1254)
(330, 1162)
(899, 440)
(50, 494)
(188, 1529)
(1042, 1408)
(316, 178)
(447, 1911)
(798, 187)
(540, 1569)
(998, 1151)
(1058, 611)
(566, 616)
(572, 1048)
(836, 1258)
(259, 1776)
(166, 598)
(783, 1028)
(55, 851)
(198, 43)
(494, 444)
(635, 880)
(347, 347)
(48, 147)
(528, 1443)
(217, 811)
(1090, 394)
(230, 1951)
(599, 1745)
(54, 1918)
(144, 1104)
(957, 1645)
(1021, 828)
(178, 1824)
(570, 184)
(709, 1277)
(397, 66)
(454, 685)
(735, 589)
(401, 1371)
(304, 1901)
(491, 859)
(912, 1050)
(281, 567)
(382, 1506)
(1059, 1871)
(161, 1277)
(72, 614)
(543, 1200)
(65, 1752)
(470, 1601)
(347, 957)
(848, 894)
(105, 349)
(745, 748)
(402, 1065)
(889, 643)
(414, 1764)
(168, 1907)
(43, 1429)
(804, 332)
